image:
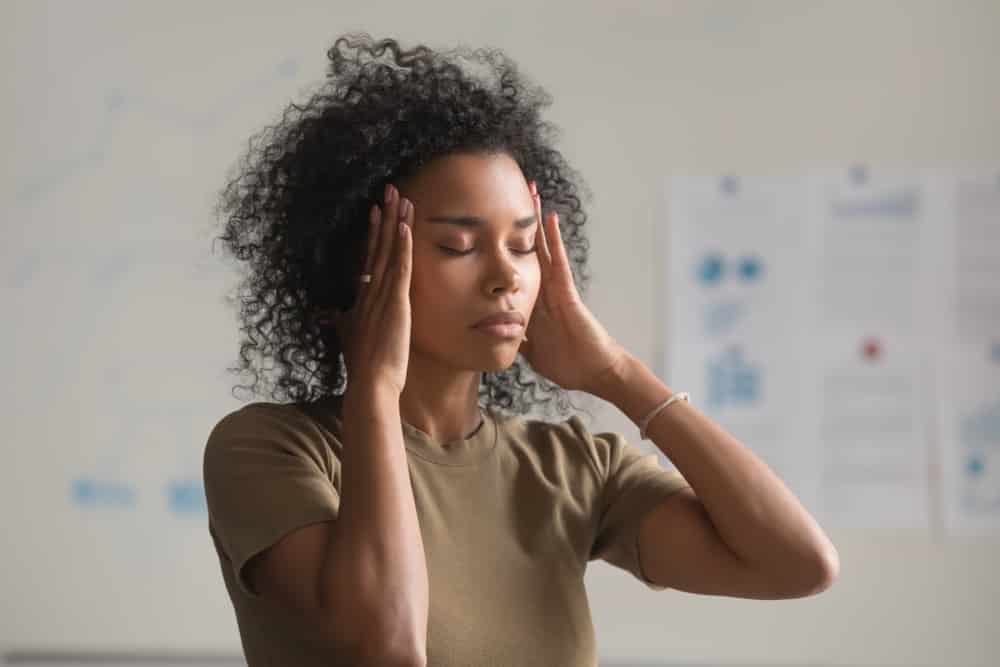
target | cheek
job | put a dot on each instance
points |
(437, 293)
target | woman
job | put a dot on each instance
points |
(409, 232)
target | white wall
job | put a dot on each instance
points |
(119, 109)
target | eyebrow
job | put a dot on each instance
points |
(473, 221)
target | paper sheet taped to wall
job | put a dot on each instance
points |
(844, 323)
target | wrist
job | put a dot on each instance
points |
(373, 400)
(634, 389)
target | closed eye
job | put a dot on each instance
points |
(452, 251)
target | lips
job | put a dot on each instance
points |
(505, 317)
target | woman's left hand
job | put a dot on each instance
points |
(565, 342)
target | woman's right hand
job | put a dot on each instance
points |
(375, 332)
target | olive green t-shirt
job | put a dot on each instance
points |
(509, 515)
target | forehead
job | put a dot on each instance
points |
(465, 180)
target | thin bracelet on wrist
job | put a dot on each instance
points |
(644, 422)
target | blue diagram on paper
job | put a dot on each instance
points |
(710, 270)
(858, 174)
(722, 317)
(750, 268)
(90, 493)
(979, 433)
(975, 466)
(730, 185)
(186, 497)
(731, 380)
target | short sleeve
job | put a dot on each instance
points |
(634, 483)
(268, 471)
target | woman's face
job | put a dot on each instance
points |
(478, 205)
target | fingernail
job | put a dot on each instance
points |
(388, 193)
(404, 207)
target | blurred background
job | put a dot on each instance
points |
(124, 118)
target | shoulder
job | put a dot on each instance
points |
(262, 417)
(606, 453)
(275, 428)
(540, 430)
(568, 442)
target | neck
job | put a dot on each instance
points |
(443, 403)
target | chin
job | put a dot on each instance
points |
(490, 358)
(496, 363)
(500, 360)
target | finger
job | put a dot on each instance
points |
(374, 230)
(542, 244)
(404, 255)
(387, 233)
(387, 287)
(374, 218)
(405, 209)
(560, 261)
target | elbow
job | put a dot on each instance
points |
(393, 641)
(383, 655)
(374, 643)
(374, 651)
(397, 660)
(821, 572)
(803, 577)
(392, 632)
(829, 568)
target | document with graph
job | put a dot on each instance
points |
(806, 310)
(737, 336)
(966, 388)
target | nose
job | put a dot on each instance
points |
(503, 275)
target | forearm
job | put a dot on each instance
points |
(757, 516)
(375, 573)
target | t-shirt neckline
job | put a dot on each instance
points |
(465, 451)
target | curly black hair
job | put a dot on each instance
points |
(295, 212)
